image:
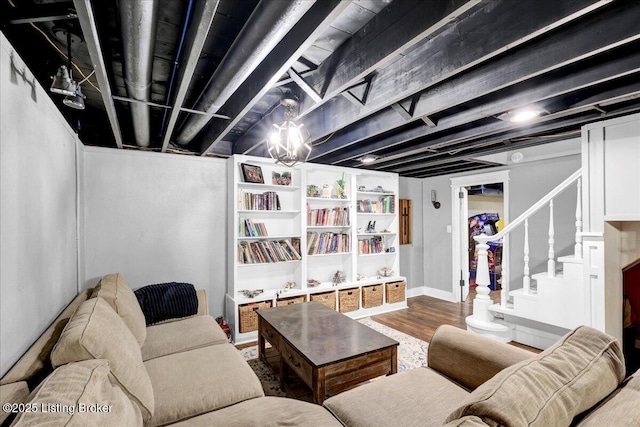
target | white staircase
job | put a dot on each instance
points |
(550, 301)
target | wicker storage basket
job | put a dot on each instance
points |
(349, 299)
(248, 316)
(326, 298)
(395, 291)
(371, 296)
(290, 300)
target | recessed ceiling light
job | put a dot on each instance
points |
(368, 159)
(521, 115)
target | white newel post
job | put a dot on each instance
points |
(551, 263)
(526, 280)
(481, 321)
(577, 252)
(482, 301)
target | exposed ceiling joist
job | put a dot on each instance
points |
(596, 74)
(425, 66)
(290, 48)
(90, 31)
(46, 12)
(467, 140)
(200, 24)
(399, 26)
(304, 85)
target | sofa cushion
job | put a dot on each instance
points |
(265, 412)
(182, 335)
(80, 394)
(419, 397)
(620, 408)
(552, 387)
(13, 393)
(95, 331)
(194, 382)
(116, 291)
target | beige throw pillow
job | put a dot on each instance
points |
(95, 331)
(553, 387)
(116, 291)
(77, 395)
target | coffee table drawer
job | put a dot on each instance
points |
(297, 363)
(271, 336)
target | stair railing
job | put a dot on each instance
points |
(482, 273)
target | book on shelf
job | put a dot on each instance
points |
(385, 204)
(267, 201)
(250, 229)
(338, 216)
(267, 251)
(327, 243)
(373, 245)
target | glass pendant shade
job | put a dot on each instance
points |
(287, 144)
(75, 101)
(62, 82)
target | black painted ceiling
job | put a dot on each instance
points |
(418, 84)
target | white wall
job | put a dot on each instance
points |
(156, 218)
(528, 183)
(412, 255)
(38, 263)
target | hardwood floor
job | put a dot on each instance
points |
(425, 314)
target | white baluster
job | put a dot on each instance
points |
(482, 300)
(526, 280)
(551, 263)
(577, 252)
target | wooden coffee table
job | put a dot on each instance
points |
(329, 351)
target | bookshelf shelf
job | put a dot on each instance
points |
(332, 224)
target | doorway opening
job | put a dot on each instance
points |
(480, 205)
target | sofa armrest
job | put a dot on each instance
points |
(203, 305)
(468, 358)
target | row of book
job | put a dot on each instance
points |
(385, 204)
(337, 216)
(327, 243)
(267, 201)
(266, 251)
(374, 245)
(250, 229)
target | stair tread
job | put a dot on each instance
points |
(570, 259)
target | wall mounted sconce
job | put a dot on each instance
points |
(434, 200)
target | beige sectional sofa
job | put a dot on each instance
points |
(99, 364)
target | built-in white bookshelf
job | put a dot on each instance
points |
(314, 214)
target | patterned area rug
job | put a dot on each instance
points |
(412, 353)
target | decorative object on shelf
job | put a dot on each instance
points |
(362, 188)
(287, 145)
(361, 277)
(390, 250)
(326, 192)
(371, 227)
(289, 285)
(312, 190)
(252, 173)
(385, 272)
(251, 293)
(338, 278)
(386, 230)
(283, 178)
(340, 188)
(312, 282)
(378, 189)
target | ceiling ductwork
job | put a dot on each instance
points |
(138, 19)
(267, 25)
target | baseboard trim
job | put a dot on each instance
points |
(431, 292)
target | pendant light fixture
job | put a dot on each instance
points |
(287, 142)
(63, 82)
